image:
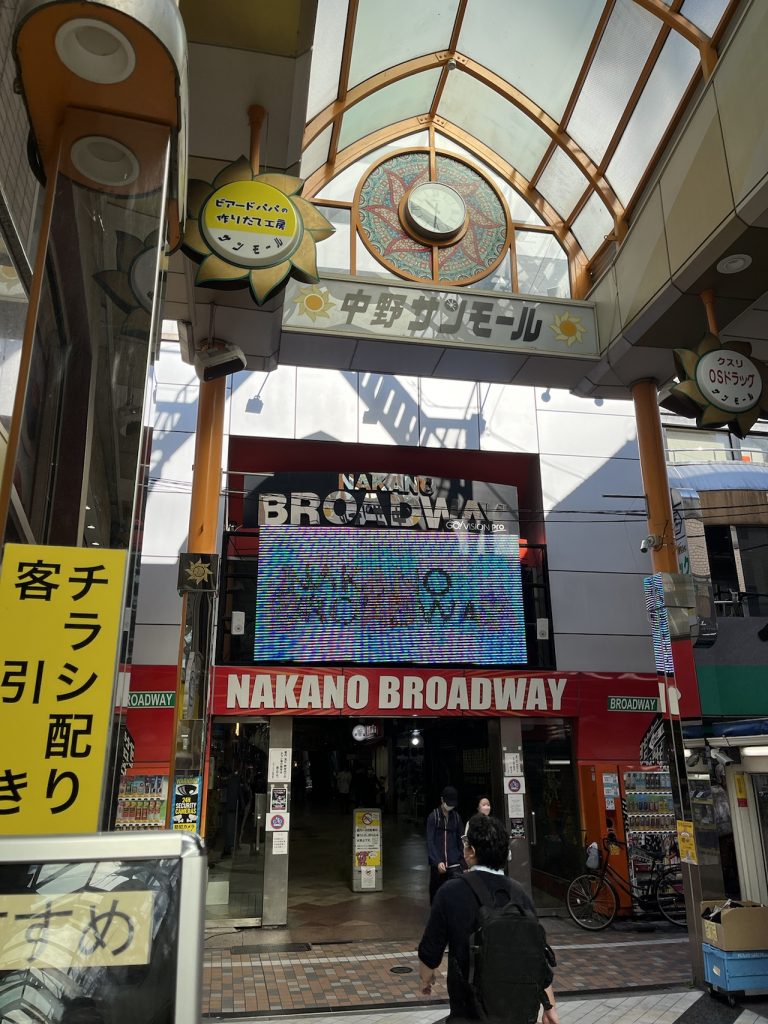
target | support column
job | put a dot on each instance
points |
(653, 466)
(191, 723)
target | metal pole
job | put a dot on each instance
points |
(653, 466)
(204, 513)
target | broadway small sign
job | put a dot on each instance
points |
(633, 704)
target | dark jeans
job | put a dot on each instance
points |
(436, 879)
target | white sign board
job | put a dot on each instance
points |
(279, 843)
(280, 764)
(515, 805)
(437, 316)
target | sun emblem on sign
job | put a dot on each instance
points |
(255, 230)
(720, 385)
(314, 303)
(568, 328)
(131, 285)
(198, 572)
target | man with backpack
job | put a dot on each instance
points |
(444, 850)
(499, 963)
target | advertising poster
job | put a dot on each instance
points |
(367, 838)
(186, 803)
(686, 842)
(60, 610)
(278, 798)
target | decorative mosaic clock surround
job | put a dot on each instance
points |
(476, 253)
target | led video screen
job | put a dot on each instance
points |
(332, 595)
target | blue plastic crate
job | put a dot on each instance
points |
(739, 971)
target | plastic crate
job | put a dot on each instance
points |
(741, 971)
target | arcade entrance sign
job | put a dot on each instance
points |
(438, 316)
(419, 692)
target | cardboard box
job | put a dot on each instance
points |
(739, 927)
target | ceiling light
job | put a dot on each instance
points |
(95, 544)
(95, 51)
(734, 264)
(557, 760)
(104, 160)
(90, 526)
(755, 751)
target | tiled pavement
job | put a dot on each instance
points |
(683, 1007)
(242, 976)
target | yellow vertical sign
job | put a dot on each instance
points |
(60, 614)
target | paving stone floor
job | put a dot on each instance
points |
(673, 1007)
(240, 981)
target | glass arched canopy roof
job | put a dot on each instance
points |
(570, 101)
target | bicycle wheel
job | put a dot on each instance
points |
(591, 902)
(670, 896)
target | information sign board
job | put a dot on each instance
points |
(102, 927)
(60, 610)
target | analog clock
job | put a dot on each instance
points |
(435, 211)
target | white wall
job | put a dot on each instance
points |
(587, 449)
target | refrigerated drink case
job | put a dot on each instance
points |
(649, 818)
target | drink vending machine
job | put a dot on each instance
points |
(635, 802)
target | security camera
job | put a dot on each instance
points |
(218, 359)
(650, 543)
(720, 757)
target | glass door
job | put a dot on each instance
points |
(235, 819)
(557, 855)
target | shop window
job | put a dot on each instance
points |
(698, 446)
(754, 448)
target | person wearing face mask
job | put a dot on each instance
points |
(444, 830)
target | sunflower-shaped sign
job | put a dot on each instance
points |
(131, 285)
(720, 385)
(252, 229)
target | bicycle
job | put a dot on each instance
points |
(593, 901)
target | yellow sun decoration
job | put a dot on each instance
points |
(568, 328)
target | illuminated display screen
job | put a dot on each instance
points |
(330, 595)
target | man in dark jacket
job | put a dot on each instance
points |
(453, 917)
(444, 829)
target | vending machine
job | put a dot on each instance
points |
(633, 802)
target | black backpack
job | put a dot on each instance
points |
(510, 962)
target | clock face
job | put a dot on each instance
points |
(435, 210)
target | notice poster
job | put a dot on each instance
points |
(368, 878)
(280, 764)
(367, 838)
(186, 803)
(279, 843)
(513, 763)
(515, 805)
